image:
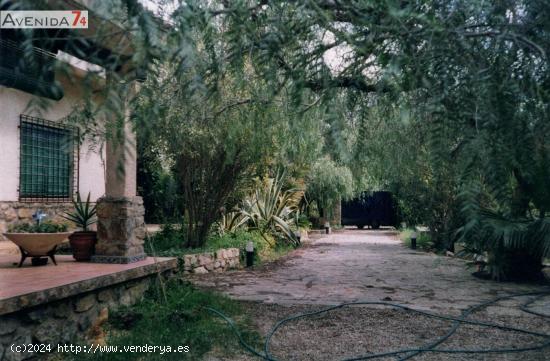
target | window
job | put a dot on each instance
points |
(48, 161)
(28, 71)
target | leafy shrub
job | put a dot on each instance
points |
(515, 247)
(43, 227)
(302, 221)
(237, 239)
(169, 241)
(160, 190)
(423, 239)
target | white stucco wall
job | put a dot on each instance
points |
(13, 103)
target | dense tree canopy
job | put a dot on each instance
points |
(471, 79)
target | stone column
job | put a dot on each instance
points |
(120, 226)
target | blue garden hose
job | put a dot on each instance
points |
(407, 353)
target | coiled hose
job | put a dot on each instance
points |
(408, 353)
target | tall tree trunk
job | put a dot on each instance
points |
(208, 183)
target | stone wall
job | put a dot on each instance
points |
(14, 212)
(66, 320)
(219, 261)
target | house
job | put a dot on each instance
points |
(43, 162)
(43, 165)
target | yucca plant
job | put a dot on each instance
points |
(83, 242)
(271, 209)
(84, 213)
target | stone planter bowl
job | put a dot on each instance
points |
(37, 244)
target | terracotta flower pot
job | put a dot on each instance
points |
(83, 245)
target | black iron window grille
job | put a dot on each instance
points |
(49, 157)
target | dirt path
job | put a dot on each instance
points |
(365, 265)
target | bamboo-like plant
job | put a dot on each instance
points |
(84, 213)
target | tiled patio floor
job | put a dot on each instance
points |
(28, 286)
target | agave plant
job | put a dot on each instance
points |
(231, 221)
(84, 213)
(271, 209)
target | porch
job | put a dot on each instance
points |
(60, 304)
(30, 286)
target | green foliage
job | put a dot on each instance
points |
(216, 143)
(157, 184)
(173, 314)
(395, 153)
(168, 242)
(271, 209)
(445, 103)
(467, 82)
(210, 142)
(423, 239)
(43, 227)
(237, 239)
(84, 213)
(515, 247)
(302, 221)
(328, 183)
(231, 222)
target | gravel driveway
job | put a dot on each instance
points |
(356, 265)
(364, 265)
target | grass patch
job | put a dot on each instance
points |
(423, 239)
(177, 317)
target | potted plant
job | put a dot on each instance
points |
(37, 240)
(83, 241)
